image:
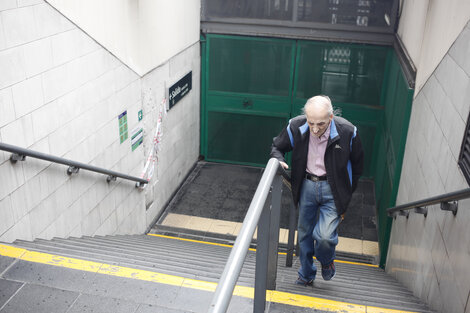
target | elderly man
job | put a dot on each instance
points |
(327, 161)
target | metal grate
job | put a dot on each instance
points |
(464, 158)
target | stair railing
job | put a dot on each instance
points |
(447, 201)
(264, 212)
(20, 154)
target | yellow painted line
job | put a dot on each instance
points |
(315, 303)
(198, 241)
(251, 249)
(57, 260)
(357, 263)
(371, 309)
(11, 252)
(199, 284)
(126, 272)
(241, 291)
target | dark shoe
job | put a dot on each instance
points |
(328, 271)
(303, 282)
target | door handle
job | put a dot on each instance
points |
(247, 103)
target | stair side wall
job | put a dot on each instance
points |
(431, 255)
(143, 34)
(61, 93)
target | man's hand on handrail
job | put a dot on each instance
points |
(285, 175)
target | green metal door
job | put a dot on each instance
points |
(253, 85)
(248, 97)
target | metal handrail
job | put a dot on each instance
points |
(259, 213)
(19, 154)
(448, 202)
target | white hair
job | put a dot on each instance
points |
(323, 100)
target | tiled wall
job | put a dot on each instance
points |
(180, 145)
(431, 255)
(61, 93)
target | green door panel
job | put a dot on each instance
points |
(249, 104)
(348, 73)
(248, 96)
(368, 135)
(250, 65)
(241, 138)
(397, 99)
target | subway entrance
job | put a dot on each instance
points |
(252, 86)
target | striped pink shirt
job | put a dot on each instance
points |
(316, 153)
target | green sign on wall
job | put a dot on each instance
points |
(123, 132)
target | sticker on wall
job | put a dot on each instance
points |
(137, 137)
(140, 115)
(123, 134)
(147, 172)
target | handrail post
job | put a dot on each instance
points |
(276, 197)
(228, 279)
(262, 257)
(291, 235)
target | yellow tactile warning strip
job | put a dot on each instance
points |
(363, 247)
(251, 249)
(242, 291)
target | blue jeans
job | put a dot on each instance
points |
(317, 229)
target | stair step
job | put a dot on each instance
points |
(103, 241)
(225, 239)
(354, 283)
(131, 247)
(177, 269)
(95, 246)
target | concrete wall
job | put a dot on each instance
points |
(431, 255)
(428, 28)
(143, 34)
(61, 93)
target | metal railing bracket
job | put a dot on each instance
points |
(15, 157)
(72, 170)
(111, 178)
(404, 213)
(450, 206)
(422, 210)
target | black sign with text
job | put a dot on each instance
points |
(180, 89)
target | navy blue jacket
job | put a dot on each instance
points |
(344, 157)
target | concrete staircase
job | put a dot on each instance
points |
(355, 283)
